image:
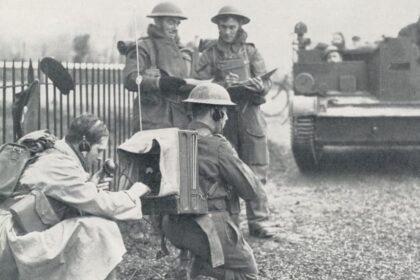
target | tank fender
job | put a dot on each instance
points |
(305, 106)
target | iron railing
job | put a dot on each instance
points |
(99, 90)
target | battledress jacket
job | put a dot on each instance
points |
(223, 177)
(156, 52)
(84, 247)
(246, 128)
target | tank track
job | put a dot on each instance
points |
(304, 150)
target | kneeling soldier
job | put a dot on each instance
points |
(214, 239)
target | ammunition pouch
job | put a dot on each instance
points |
(34, 212)
(217, 204)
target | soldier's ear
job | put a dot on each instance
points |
(217, 114)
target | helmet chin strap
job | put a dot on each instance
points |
(218, 127)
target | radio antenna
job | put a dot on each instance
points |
(139, 78)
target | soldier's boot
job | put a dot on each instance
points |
(263, 229)
(202, 268)
(184, 269)
(257, 210)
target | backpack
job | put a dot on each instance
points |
(13, 160)
(14, 157)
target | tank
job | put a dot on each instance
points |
(372, 98)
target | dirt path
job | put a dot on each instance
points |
(356, 219)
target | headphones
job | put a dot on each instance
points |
(84, 146)
(218, 114)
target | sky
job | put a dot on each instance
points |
(271, 28)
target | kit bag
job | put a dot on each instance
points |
(13, 160)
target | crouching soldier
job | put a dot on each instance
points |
(230, 60)
(214, 239)
(81, 240)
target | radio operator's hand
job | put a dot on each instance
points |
(255, 84)
(139, 189)
(96, 177)
(171, 83)
(139, 79)
(231, 79)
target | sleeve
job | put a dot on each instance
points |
(258, 67)
(65, 182)
(236, 173)
(130, 70)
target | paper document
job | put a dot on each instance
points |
(263, 77)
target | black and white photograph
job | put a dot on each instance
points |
(198, 140)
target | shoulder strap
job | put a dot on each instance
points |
(151, 48)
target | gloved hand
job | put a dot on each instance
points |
(231, 79)
(255, 84)
(171, 83)
(139, 189)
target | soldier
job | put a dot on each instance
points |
(332, 55)
(83, 241)
(214, 239)
(163, 68)
(412, 31)
(229, 60)
(338, 41)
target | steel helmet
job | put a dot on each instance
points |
(230, 11)
(209, 93)
(167, 9)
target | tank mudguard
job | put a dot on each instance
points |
(304, 106)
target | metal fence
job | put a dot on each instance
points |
(99, 90)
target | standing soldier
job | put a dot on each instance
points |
(230, 60)
(163, 68)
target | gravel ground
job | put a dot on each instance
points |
(358, 218)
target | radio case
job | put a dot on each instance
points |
(166, 161)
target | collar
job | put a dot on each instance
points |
(155, 33)
(236, 45)
(67, 148)
(202, 128)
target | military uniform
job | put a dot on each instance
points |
(246, 128)
(158, 55)
(214, 238)
(79, 247)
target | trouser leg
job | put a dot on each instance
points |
(258, 210)
(239, 259)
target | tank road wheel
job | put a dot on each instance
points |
(304, 150)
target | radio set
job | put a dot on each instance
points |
(166, 161)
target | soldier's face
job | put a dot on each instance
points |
(222, 123)
(337, 39)
(334, 57)
(168, 26)
(96, 151)
(228, 28)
